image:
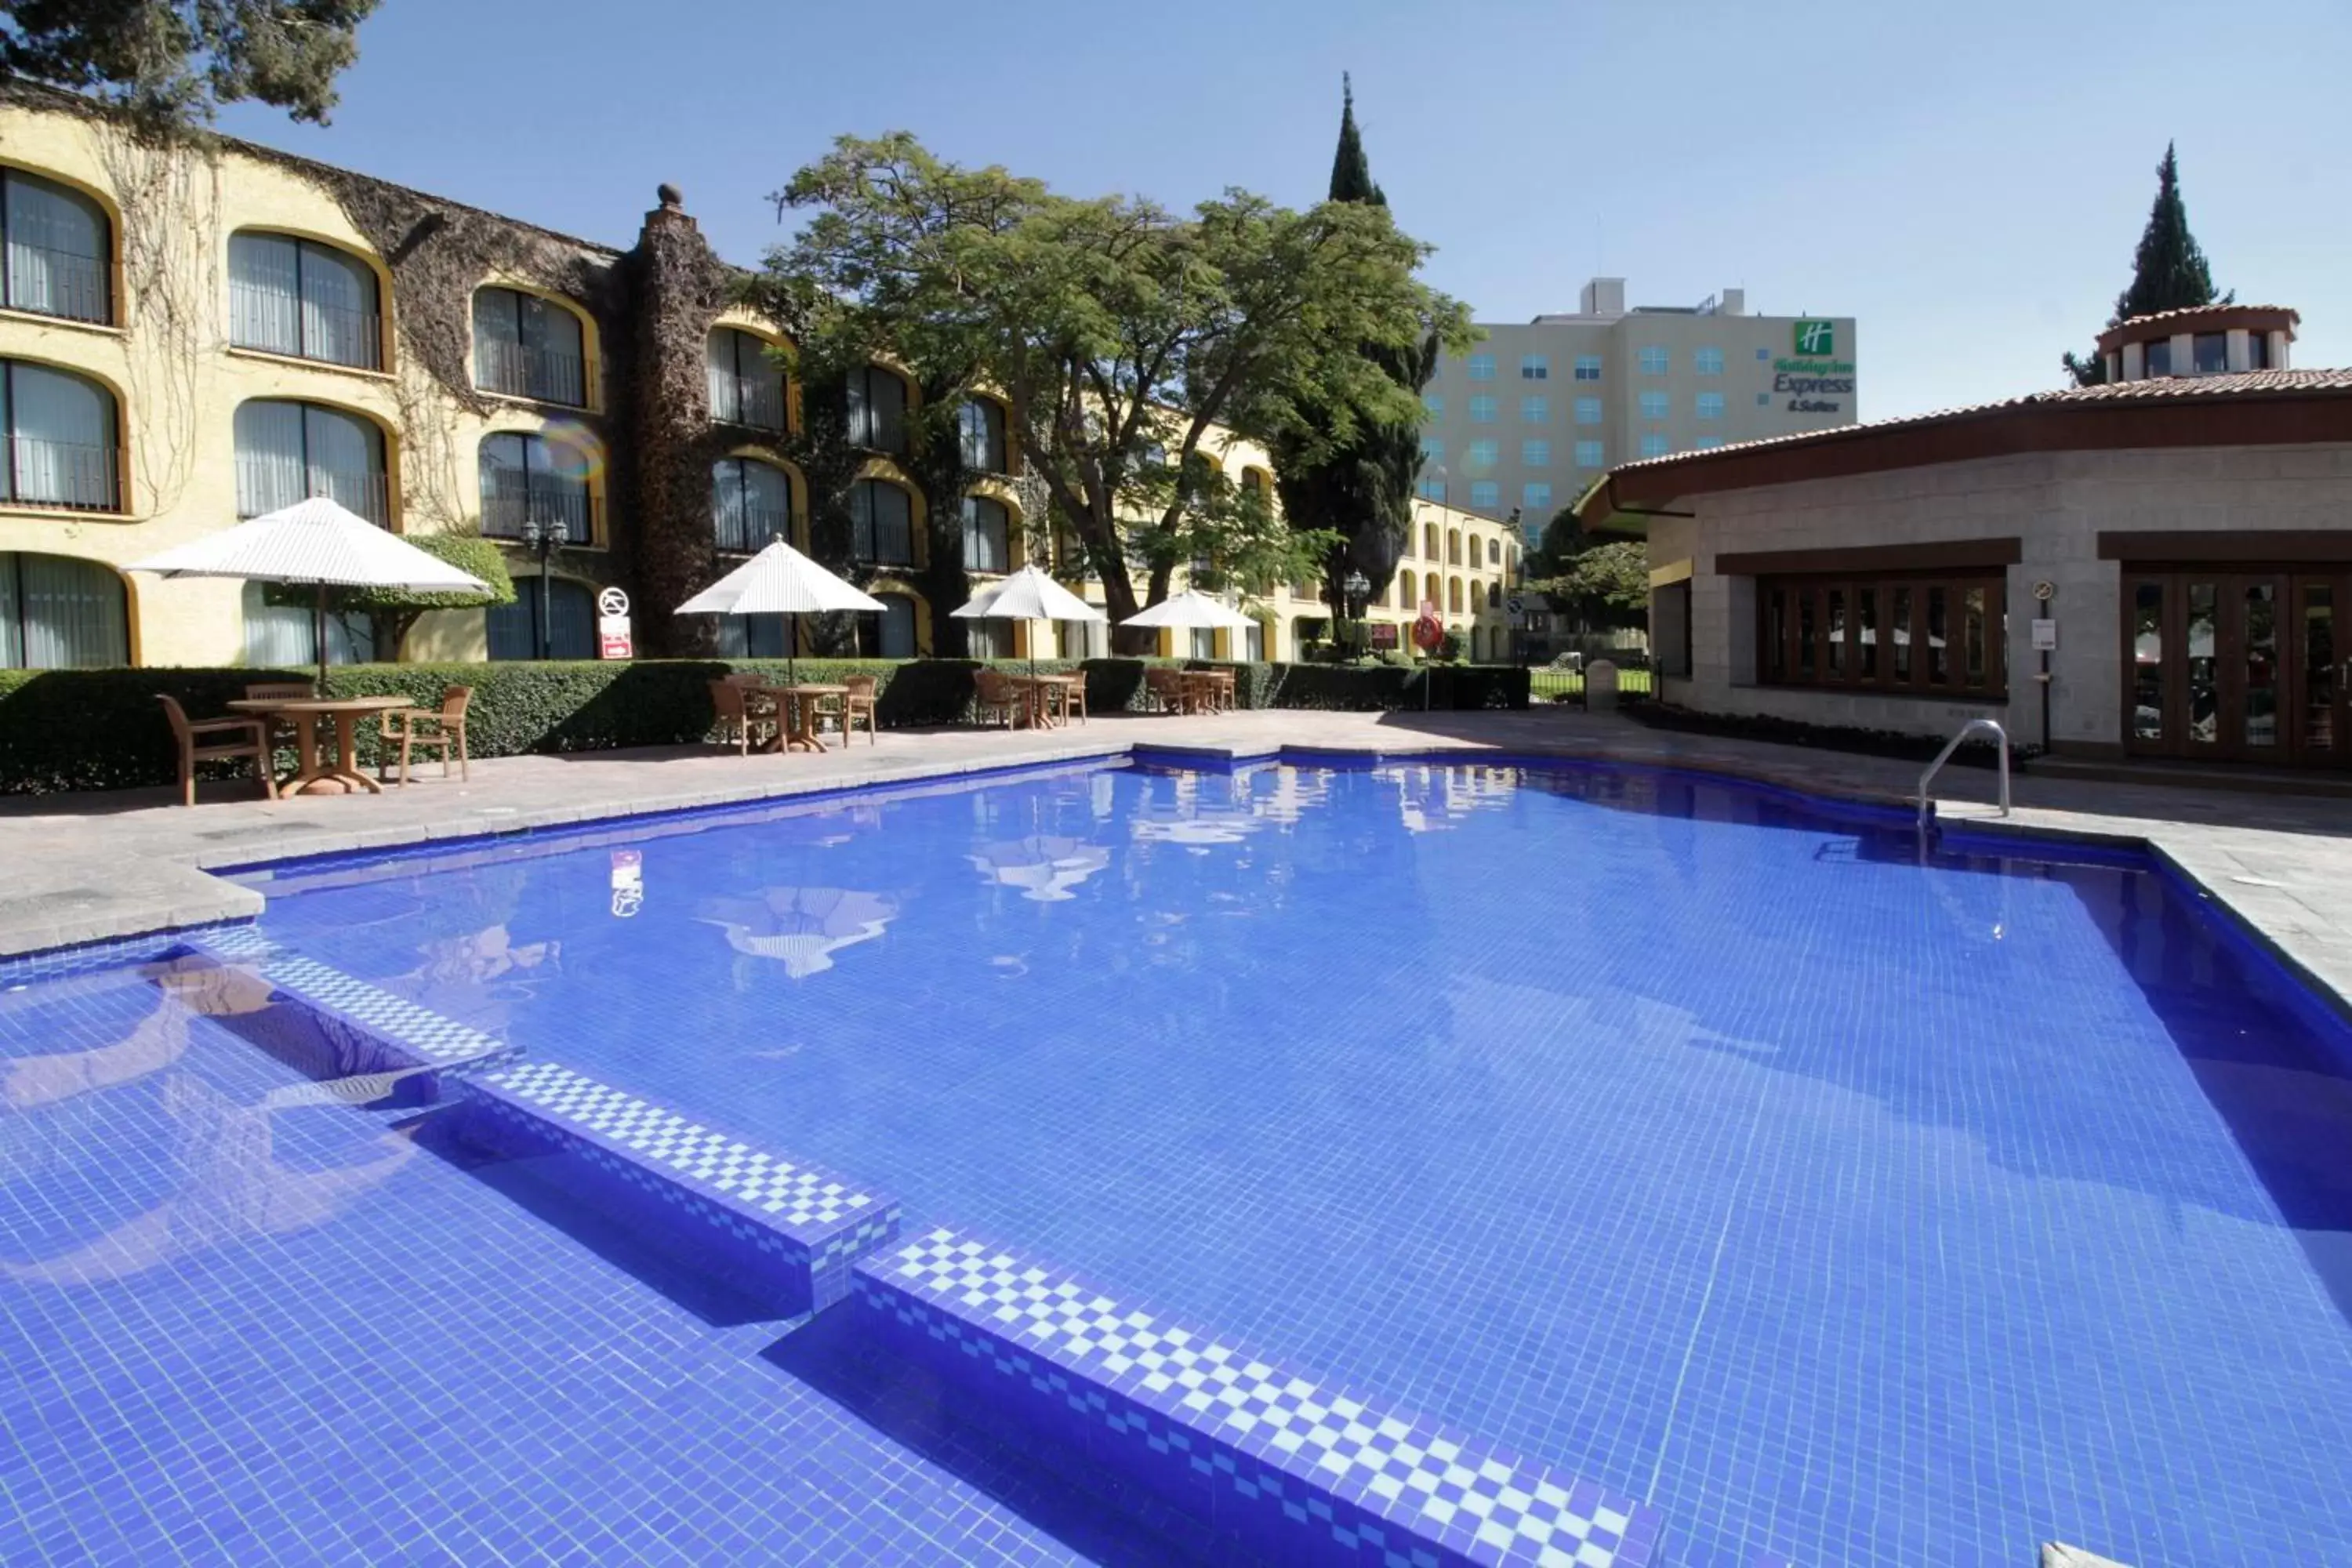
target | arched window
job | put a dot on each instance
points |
(57, 613)
(1494, 552)
(1257, 484)
(980, 424)
(529, 478)
(747, 385)
(551, 618)
(1454, 595)
(878, 410)
(1408, 598)
(287, 636)
(527, 346)
(881, 524)
(1477, 643)
(891, 634)
(60, 439)
(289, 295)
(750, 503)
(59, 250)
(1429, 541)
(287, 451)
(1453, 547)
(987, 535)
(1494, 595)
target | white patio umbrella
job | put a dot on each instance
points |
(1191, 609)
(1027, 596)
(319, 541)
(780, 581)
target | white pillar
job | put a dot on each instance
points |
(2240, 356)
(2134, 362)
(2184, 353)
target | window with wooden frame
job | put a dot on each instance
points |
(1925, 634)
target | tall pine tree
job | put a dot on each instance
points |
(2168, 273)
(1364, 489)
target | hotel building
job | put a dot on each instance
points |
(199, 331)
(1538, 410)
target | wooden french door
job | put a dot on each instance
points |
(2238, 666)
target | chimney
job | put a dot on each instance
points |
(1732, 302)
(1602, 297)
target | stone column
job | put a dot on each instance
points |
(678, 289)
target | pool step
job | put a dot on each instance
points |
(403, 1033)
(1284, 1465)
(782, 1231)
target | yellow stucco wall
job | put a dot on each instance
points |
(178, 381)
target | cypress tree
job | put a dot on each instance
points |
(2168, 271)
(1363, 491)
(1351, 172)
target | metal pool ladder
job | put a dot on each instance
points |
(1970, 728)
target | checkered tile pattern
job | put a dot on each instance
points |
(800, 1198)
(421, 1036)
(1326, 1456)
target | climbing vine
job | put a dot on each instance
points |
(166, 182)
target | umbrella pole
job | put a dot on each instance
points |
(319, 641)
(791, 649)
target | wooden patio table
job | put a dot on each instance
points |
(316, 772)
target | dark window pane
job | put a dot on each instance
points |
(2212, 353)
(1866, 611)
(1902, 630)
(1939, 653)
(2204, 668)
(2147, 661)
(2321, 674)
(2261, 664)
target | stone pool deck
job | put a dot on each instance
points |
(85, 867)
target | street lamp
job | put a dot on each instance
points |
(543, 540)
(1354, 589)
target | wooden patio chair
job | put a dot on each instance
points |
(997, 696)
(423, 729)
(252, 741)
(863, 693)
(740, 715)
(1165, 688)
(1074, 699)
(282, 733)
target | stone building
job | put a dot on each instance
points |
(2156, 567)
(196, 332)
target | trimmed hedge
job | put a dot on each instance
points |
(102, 729)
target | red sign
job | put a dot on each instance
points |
(1428, 632)
(1384, 636)
(610, 646)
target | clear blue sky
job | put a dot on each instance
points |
(1967, 180)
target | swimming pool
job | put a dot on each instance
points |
(1852, 1204)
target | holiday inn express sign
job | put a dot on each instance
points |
(1814, 375)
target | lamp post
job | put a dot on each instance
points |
(543, 540)
(1354, 589)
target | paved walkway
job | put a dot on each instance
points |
(82, 868)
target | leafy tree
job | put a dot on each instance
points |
(1596, 584)
(182, 59)
(1117, 333)
(1226, 534)
(395, 610)
(1361, 491)
(2168, 272)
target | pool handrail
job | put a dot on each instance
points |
(1927, 802)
